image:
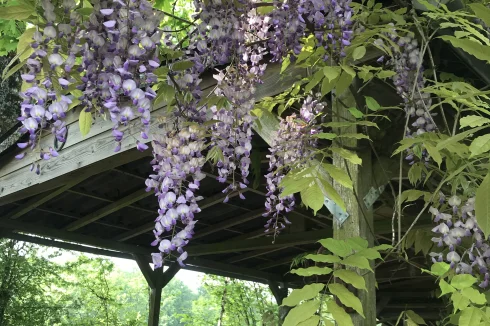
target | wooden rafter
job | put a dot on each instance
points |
(106, 210)
(261, 243)
(228, 223)
(253, 254)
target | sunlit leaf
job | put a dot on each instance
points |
(482, 206)
(301, 313)
(308, 292)
(323, 258)
(85, 122)
(346, 297)
(337, 247)
(351, 277)
(339, 314)
(310, 271)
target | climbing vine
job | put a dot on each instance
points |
(121, 59)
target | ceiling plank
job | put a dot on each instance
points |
(40, 230)
(40, 199)
(228, 223)
(253, 254)
(293, 239)
(109, 209)
(147, 227)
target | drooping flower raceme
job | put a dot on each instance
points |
(292, 147)
(456, 224)
(177, 165)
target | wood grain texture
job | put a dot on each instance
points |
(360, 221)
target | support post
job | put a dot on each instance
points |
(280, 292)
(360, 220)
(156, 281)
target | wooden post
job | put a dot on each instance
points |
(280, 293)
(360, 220)
(156, 280)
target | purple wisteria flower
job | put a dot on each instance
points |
(453, 228)
(291, 145)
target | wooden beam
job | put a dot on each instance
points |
(109, 209)
(360, 220)
(253, 254)
(40, 199)
(63, 245)
(293, 239)
(277, 262)
(146, 270)
(228, 223)
(84, 194)
(147, 227)
(214, 267)
(72, 237)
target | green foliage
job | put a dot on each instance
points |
(307, 301)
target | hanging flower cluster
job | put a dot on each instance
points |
(409, 83)
(291, 145)
(177, 165)
(331, 21)
(41, 106)
(114, 53)
(119, 56)
(288, 27)
(454, 227)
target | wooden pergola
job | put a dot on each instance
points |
(91, 199)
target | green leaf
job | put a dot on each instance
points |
(85, 122)
(297, 185)
(165, 94)
(313, 197)
(331, 72)
(474, 295)
(325, 135)
(19, 12)
(359, 53)
(476, 49)
(354, 136)
(285, 64)
(383, 247)
(412, 195)
(308, 292)
(339, 314)
(415, 318)
(372, 104)
(310, 271)
(343, 82)
(434, 153)
(347, 154)
(385, 74)
(481, 12)
(459, 301)
(323, 258)
(331, 193)
(317, 77)
(473, 121)
(356, 113)
(24, 48)
(301, 313)
(470, 316)
(337, 247)
(370, 253)
(338, 175)
(415, 173)
(462, 281)
(451, 140)
(182, 65)
(351, 277)
(445, 288)
(480, 145)
(482, 206)
(439, 269)
(357, 243)
(327, 86)
(215, 154)
(312, 321)
(357, 261)
(346, 297)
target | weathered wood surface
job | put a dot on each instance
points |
(360, 221)
(81, 154)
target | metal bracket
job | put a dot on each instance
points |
(373, 195)
(337, 212)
